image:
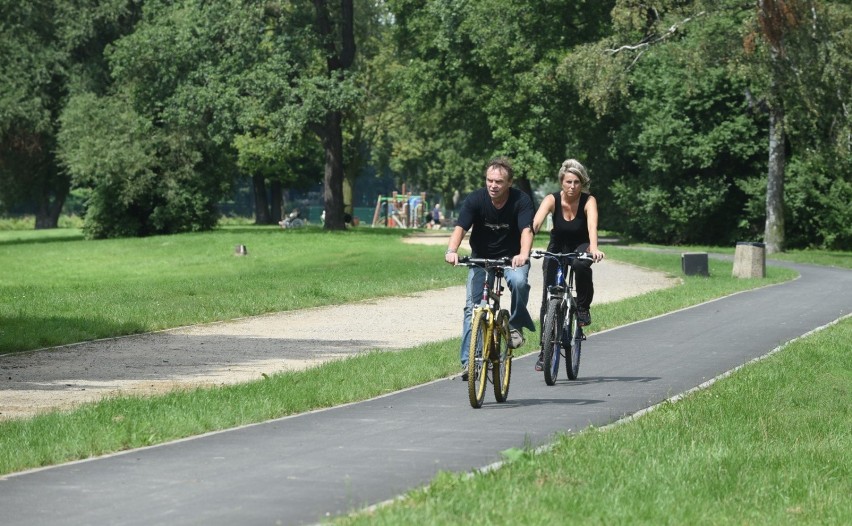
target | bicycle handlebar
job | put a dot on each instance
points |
(559, 255)
(467, 261)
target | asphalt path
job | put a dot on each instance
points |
(306, 468)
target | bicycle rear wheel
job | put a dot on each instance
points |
(501, 367)
(477, 365)
(572, 347)
(551, 342)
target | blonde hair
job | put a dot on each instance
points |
(573, 166)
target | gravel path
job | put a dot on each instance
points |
(245, 349)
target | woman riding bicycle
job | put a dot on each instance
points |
(575, 229)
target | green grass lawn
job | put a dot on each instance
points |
(66, 289)
(828, 258)
(59, 289)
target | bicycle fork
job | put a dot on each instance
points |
(488, 334)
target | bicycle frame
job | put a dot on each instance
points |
(562, 313)
(561, 288)
(489, 334)
(492, 290)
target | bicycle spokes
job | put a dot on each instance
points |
(572, 350)
(488, 349)
(477, 359)
(502, 359)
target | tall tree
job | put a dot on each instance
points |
(146, 147)
(48, 49)
(226, 88)
(216, 89)
(764, 45)
(479, 79)
(337, 38)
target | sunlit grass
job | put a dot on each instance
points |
(62, 290)
(830, 258)
(339, 267)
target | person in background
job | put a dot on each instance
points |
(575, 229)
(435, 221)
(501, 218)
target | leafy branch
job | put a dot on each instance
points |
(652, 39)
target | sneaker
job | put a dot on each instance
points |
(516, 339)
(464, 375)
(584, 318)
(539, 364)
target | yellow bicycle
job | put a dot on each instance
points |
(489, 338)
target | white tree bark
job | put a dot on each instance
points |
(774, 231)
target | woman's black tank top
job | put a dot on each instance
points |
(566, 236)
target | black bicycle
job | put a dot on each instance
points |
(489, 335)
(562, 335)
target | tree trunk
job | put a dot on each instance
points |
(50, 209)
(523, 184)
(261, 204)
(333, 182)
(777, 19)
(331, 131)
(773, 234)
(276, 205)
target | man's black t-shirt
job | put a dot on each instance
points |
(496, 233)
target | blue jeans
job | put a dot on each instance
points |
(519, 316)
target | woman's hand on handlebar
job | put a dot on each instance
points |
(596, 254)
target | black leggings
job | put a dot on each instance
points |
(582, 281)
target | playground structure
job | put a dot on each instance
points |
(401, 210)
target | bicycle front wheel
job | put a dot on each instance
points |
(501, 366)
(477, 363)
(551, 342)
(574, 335)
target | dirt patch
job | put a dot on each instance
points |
(243, 350)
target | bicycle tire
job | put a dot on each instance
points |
(573, 345)
(477, 363)
(501, 367)
(551, 342)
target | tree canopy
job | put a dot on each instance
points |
(48, 49)
(705, 121)
(776, 64)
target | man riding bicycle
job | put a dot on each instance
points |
(501, 218)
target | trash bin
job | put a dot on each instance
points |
(694, 264)
(750, 260)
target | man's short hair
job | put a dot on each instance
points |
(501, 163)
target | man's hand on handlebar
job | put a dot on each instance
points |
(452, 258)
(519, 260)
